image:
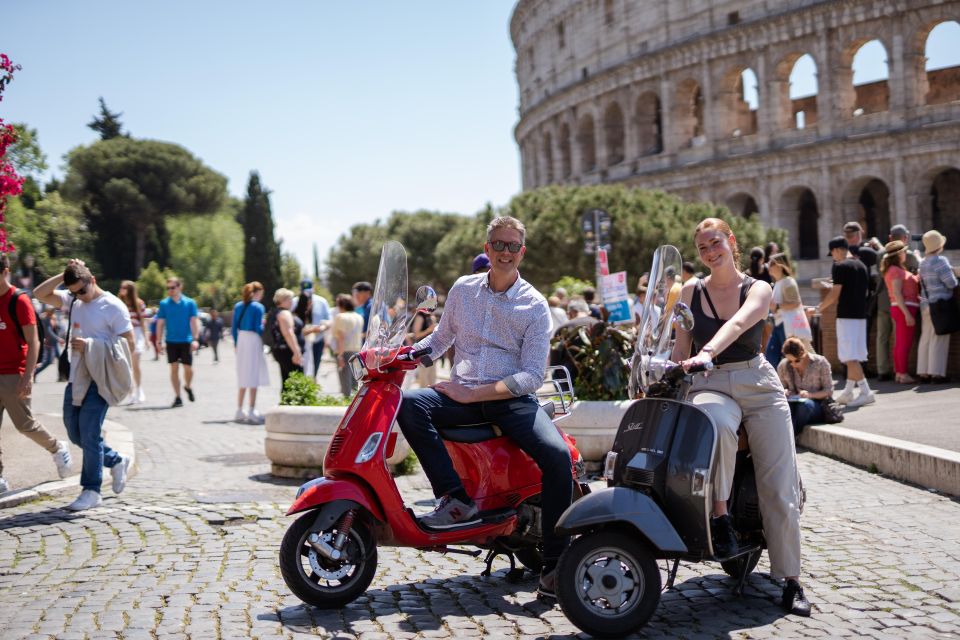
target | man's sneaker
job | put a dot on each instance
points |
(845, 397)
(189, 393)
(4, 487)
(548, 584)
(865, 397)
(794, 601)
(450, 513)
(177, 403)
(61, 457)
(119, 474)
(87, 500)
(240, 417)
(255, 417)
(724, 536)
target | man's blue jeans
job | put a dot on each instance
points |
(521, 419)
(805, 412)
(85, 429)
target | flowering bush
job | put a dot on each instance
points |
(10, 183)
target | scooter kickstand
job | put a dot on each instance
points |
(513, 574)
(673, 575)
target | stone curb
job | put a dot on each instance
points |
(920, 464)
(121, 441)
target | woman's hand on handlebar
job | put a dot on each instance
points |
(699, 362)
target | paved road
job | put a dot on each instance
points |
(189, 551)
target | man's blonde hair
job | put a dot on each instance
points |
(506, 222)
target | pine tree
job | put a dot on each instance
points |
(108, 124)
(316, 263)
(261, 253)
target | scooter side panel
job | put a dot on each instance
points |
(688, 489)
(623, 505)
(327, 490)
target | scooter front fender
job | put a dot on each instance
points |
(325, 490)
(622, 505)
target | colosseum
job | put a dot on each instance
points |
(657, 94)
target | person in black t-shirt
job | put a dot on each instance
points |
(849, 292)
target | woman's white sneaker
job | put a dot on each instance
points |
(256, 417)
(62, 458)
(240, 417)
(87, 500)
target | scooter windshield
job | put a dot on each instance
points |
(654, 340)
(388, 310)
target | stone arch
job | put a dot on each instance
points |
(587, 144)
(870, 71)
(547, 147)
(688, 112)
(867, 200)
(798, 88)
(614, 134)
(945, 204)
(739, 102)
(942, 62)
(800, 215)
(649, 124)
(566, 153)
(742, 204)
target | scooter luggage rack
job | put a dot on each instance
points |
(557, 388)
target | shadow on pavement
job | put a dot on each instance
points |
(267, 478)
(51, 515)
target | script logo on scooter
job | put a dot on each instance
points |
(634, 426)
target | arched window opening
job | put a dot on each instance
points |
(743, 204)
(548, 158)
(801, 215)
(874, 201)
(586, 141)
(614, 134)
(690, 114)
(943, 63)
(566, 160)
(746, 103)
(649, 124)
(803, 92)
(870, 75)
(945, 198)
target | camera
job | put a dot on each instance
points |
(916, 237)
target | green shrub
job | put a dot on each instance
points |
(301, 390)
(598, 357)
(407, 466)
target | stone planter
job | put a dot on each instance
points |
(594, 424)
(297, 439)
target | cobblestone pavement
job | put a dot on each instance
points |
(189, 550)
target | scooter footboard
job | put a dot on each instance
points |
(623, 505)
(325, 490)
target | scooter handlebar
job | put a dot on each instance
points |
(675, 373)
(423, 355)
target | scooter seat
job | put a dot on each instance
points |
(483, 431)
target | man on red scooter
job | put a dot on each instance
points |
(500, 327)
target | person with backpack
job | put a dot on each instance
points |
(19, 348)
(247, 330)
(286, 330)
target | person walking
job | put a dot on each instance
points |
(247, 331)
(178, 333)
(348, 337)
(101, 328)
(215, 334)
(903, 288)
(288, 338)
(136, 308)
(19, 348)
(848, 291)
(938, 281)
(52, 339)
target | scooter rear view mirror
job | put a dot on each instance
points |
(683, 316)
(426, 299)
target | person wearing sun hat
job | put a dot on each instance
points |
(939, 280)
(903, 288)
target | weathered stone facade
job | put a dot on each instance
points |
(649, 93)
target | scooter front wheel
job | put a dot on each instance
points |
(321, 582)
(608, 584)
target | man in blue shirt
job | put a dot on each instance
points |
(179, 319)
(319, 317)
(362, 292)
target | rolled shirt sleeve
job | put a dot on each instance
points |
(533, 355)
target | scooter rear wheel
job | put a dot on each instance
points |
(608, 584)
(321, 582)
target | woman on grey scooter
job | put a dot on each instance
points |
(729, 309)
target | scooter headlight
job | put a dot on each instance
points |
(609, 465)
(369, 447)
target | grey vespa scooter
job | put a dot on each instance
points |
(659, 474)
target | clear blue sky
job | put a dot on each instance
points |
(349, 110)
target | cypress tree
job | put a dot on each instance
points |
(107, 124)
(261, 253)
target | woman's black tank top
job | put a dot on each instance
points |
(746, 347)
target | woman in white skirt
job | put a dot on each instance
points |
(137, 309)
(247, 329)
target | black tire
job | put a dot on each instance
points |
(734, 567)
(530, 557)
(346, 580)
(608, 563)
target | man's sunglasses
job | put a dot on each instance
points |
(171, 287)
(82, 291)
(500, 245)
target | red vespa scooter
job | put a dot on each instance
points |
(328, 556)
